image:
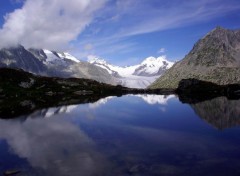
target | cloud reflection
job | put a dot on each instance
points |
(55, 146)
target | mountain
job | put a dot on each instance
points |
(214, 58)
(61, 64)
(50, 63)
(19, 57)
(136, 76)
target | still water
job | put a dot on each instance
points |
(129, 135)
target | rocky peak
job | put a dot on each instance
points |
(214, 58)
(220, 47)
(19, 57)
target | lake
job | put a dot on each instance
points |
(129, 135)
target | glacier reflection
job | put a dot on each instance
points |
(156, 99)
(149, 99)
(56, 111)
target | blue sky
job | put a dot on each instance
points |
(123, 32)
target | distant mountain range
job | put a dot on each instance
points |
(50, 63)
(136, 76)
(61, 64)
(215, 58)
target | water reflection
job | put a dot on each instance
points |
(128, 135)
(149, 99)
(155, 99)
(55, 146)
(219, 112)
(49, 112)
(100, 102)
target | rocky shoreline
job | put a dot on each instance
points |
(22, 92)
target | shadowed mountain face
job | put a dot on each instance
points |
(215, 58)
(219, 112)
(51, 63)
(19, 57)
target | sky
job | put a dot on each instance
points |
(123, 32)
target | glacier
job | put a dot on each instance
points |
(136, 76)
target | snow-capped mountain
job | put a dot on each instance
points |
(52, 57)
(51, 63)
(152, 66)
(61, 57)
(112, 69)
(136, 76)
(61, 64)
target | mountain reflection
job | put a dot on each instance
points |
(220, 112)
(55, 146)
(61, 110)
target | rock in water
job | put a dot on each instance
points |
(11, 172)
(215, 58)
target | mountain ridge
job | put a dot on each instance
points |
(214, 58)
(155, 63)
(51, 63)
(45, 62)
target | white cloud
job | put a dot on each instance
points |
(102, 47)
(113, 31)
(92, 57)
(88, 46)
(161, 50)
(49, 24)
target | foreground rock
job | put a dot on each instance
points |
(193, 90)
(11, 172)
